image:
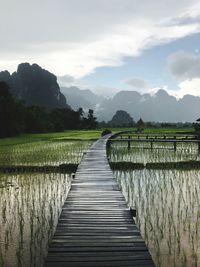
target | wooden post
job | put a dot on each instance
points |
(151, 145)
(133, 212)
(198, 147)
(174, 144)
(108, 144)
(129, 142)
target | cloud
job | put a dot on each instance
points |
(65, 80)
(184, 66)
(189, 87)
(75, 37)
(138, 83)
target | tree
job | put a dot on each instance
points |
(9, 112)
(90, 121)
(140, 126)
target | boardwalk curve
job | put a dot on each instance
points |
(95, 227)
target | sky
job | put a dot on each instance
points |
(106, 45)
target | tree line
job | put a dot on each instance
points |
(17, 118)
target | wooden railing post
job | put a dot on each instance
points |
(129, 142)
(174, 144)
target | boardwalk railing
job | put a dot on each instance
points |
(95, 227)
(156, 139)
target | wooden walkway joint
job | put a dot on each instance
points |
(95, 227)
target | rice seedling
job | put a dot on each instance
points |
(170, 226)
(166, 200)
(142, 153)
(42, 153)
(29, 208)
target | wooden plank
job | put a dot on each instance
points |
(95, 227)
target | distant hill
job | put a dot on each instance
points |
(158, 107)
(121, 119)
(35, 86)
(81, 98)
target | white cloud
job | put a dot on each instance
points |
(74, 37)
(184, 66)
(188, 87)
(65, 80)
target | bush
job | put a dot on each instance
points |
(105, 132)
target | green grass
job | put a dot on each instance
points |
(84, 135)
(43, 153)
(68, 135)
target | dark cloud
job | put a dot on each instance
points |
(138, 83)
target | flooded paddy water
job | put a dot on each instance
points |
(30, 203)
(167, 201)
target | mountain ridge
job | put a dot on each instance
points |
(35, 86)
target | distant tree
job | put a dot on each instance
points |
(196, 126)
(37, 120)
(91, 121)
(102, 124)
(140, 126)
(80, 112)
(121, 119)
(17, 118)
(8, 112)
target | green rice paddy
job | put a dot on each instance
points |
(167, 199)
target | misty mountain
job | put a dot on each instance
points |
(77, 98)
(158, 107)
(35, 86)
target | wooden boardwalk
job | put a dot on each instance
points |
(95, 227)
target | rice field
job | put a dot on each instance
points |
(167, 202)
(161, 152)
(42, 153)
(30, 203)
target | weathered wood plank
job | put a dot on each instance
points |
(95, 227)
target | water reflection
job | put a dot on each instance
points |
(30, 205)
(168, 213)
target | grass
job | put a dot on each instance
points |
(85, 135)
(66, 135)
(42, 153)
(181, 165)
(62, 168)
